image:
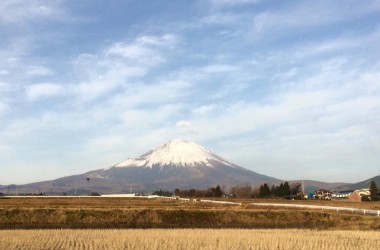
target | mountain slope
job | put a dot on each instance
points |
(311, 185)
(176, 164)
(361, 185)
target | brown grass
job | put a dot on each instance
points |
(160, 213)
(96, 202)
(188, 239)
(334, 203)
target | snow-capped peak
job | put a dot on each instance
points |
(176, 152)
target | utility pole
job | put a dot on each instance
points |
(303, 187)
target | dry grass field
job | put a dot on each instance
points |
(188, 239)
(86, 213)
(96, 202)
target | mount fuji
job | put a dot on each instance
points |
(176, 164)
(176, 154)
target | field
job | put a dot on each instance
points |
(188, 239)
(136, 223)
(95, 213)
(97, 202)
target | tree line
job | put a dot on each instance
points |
(243, 191)
(216, 192)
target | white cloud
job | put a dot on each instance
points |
(140, 119)
(143, 49)
(183, 124)
(120, 64)
(205, 109)
(232, 88)
(131, 51)
(271, 23)
(4, 149)
(312, 97)
(4, 72)
(219, 68)
(3, 108)
(17, 11)
(332, 46)
(232, 2)
(164, 40)
(299, 138)
(39, 71)
(101, 83)
(185, 128)
(4, 87)
(105, 143)
(12, 53)
(222, 18)
(43, 90)
(30, 126)
(152, 94)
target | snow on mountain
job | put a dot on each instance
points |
(179, 153)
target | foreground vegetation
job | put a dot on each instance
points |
(188, 239)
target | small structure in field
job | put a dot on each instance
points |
(359, 195)
(322, 194)
(342, 194)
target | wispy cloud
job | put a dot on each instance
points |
(4, 72)
(43, 90)
(120, 63)
(307, 15)
(185, 128)
(222, 18)
(143, 49)
(39, 71)
(219, 68)
(3, 107)
(18, 11)
(232, 2)
(205, 109)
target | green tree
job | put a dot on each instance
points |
(192, 192)
(218, 191)
(264, 191)
(281, 190)
(176, 192)
(286, 189)
(274, 190)
(373, 191)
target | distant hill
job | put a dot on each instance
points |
(361, 185)
(311, 186)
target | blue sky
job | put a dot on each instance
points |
(289, 89)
